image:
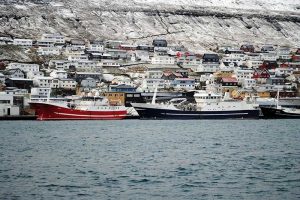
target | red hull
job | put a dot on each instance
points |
(45, 111)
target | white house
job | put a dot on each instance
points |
(110, 63)
(67, 83)
(77, 43)
(70, 51)
(88, 83)
(162, 60)
(281, 71)
(268, 48)
(248, 83)
(254, 63)
(285, 57)
(31, 75)
(237, 56)
(78, 57)
(46, 51)
(189, 62)
(149, 85)
(7, 107)
(123, 80)
(207, 78)
(16, 91)
(231, 60)
(154, 74)
(14, 73)
(24, 67)
(23, 42)
(183, 84)
(42, 81)
(60, 74)
(96, 46)
(79, 76)
(283, 50)
(40, 92)
(55, 83)
(56, 38)
(45, 43)
(116, 54)
(242, 74)
(207, 67)
(270, 56)
(87, 65)
(253, 56)
(60, 64)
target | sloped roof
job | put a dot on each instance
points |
(177, 74)
(125, 86)
(208, 55)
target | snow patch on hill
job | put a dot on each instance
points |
(192, 23)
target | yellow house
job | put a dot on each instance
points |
(115, 98)
(223, 73)
(228, 84)
(264, 94)
(230, 90)
(241, 93)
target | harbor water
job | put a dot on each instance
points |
(148, 159)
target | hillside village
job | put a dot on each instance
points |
(125, 72)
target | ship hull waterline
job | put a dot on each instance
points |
(274, 113)
(54, 112)
(154, 113)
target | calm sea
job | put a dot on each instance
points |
(145, 159)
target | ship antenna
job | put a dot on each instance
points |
(277, 103)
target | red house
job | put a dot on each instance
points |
(229, 82)
(168, 75)
(296, 58)
(268, 65)
(128, 47)
(261, 74)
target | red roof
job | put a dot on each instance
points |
(177, 74)
(167, 73)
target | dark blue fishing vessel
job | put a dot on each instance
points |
(207, 106)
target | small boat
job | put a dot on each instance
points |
(207, 106)
(279, 112)
(81, 108)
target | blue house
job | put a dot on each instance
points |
(122, 88)
(183, 84)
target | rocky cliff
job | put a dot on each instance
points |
(195, 24)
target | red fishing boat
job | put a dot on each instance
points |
(84, 108)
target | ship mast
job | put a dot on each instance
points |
(154, 95)
(277, 103)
